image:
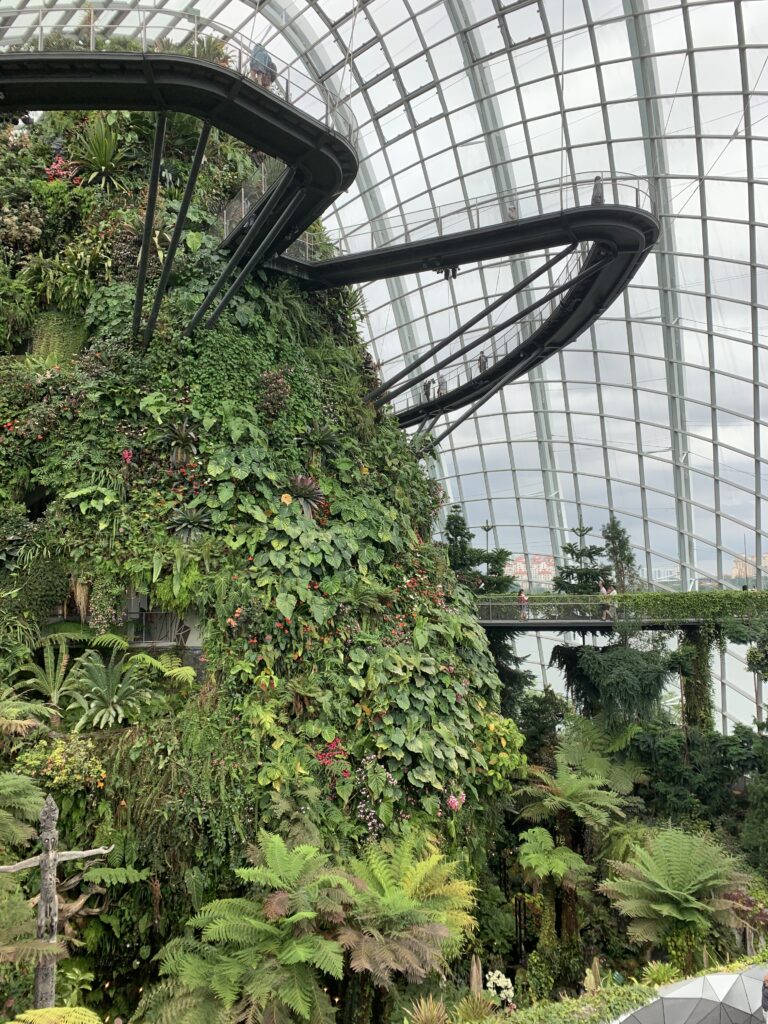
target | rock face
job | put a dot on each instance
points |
(238, 480)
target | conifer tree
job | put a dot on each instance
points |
(618, 551)
(583, 572)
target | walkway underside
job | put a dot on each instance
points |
(621, 238)
(324, 162)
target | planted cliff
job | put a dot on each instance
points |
(220, 600)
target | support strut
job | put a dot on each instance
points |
(438, 346)
(173, 245)
(149, 220)
(260, 215)
(258, 256)
(430, 371)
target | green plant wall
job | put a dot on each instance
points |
(238, 479)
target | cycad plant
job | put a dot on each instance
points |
(109, 692)
(674, 890)
(52, 680)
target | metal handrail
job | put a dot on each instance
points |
(195, 36)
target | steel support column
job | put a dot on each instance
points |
(149, 221)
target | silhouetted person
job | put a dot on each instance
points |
(427, 388)
(442, 388)
(482, 362)
(598, 196)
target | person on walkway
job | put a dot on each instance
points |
(426, 387)
(765, 998)
(604, 608)
(482, 362)
(598, 194)
(522, 604)
(263, 68)
(442, 388)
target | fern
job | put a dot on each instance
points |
(677, 883)
(58, 1015)
(263, 957)
(116, 876)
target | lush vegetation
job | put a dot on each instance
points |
(230, 650)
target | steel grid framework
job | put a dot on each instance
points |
(658, 414)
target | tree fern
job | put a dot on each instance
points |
(264, 956)
(20, 803)
(18, 714)
(676, 884)
(58, 1015)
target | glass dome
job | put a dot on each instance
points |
(658, 412)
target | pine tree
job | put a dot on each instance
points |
(583, 572)
(618, 550)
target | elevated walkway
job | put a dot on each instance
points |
(609, 225)
(559, 613)
(606, 225)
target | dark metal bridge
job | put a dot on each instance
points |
(605, 227)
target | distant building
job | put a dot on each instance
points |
(743, 570)
(542, 570)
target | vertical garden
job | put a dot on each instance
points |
(231, 652)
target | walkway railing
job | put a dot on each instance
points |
(496, 208)
(650, 606)
(109, 27)
(591, 190)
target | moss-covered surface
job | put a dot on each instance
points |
(237, 479)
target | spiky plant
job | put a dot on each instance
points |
(474, 1009)
(306, 490)
(189, 522)
(101, 158)
(319, 441)
(674, 890)
(182, 439)
(657, 973)
(427, 1010)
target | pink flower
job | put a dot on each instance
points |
(127, 456)
(453, 803)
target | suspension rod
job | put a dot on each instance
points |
(430, 371)
(149, 220)
(173, 245)
(486, 395)
(268, 203)
(257, 256)
(514, 290)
